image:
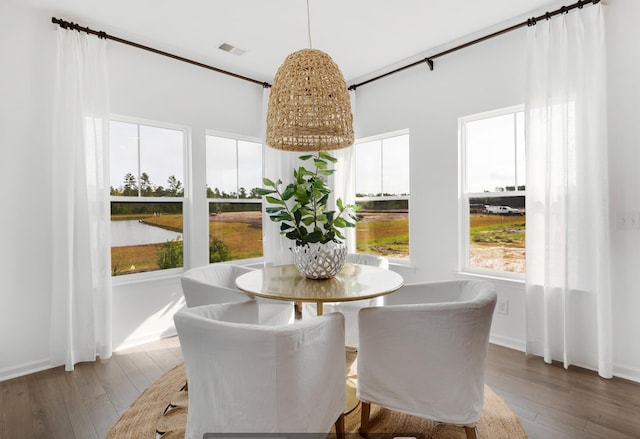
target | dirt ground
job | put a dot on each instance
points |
(253, 218)
(497, 258)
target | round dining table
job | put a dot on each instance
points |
(353, 282)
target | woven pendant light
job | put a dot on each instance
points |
(309, 104)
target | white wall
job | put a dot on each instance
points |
(480, 78)
(143, 85)
(623, 53)
(490, 76)
(27, 50)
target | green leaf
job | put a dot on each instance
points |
(305, 157)
(292, 234)
(323, 201)
(326, 171)
(314, 236)
(274, 200)
(339, 204)
(285, 226)
(274, 209)
(282, 217)
(320, 164)
(301, 195)
(268, 182)
(307, 221)
(289, 192)
(262, 192)
(325, 155)
(340, 222)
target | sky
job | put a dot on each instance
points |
(161, 153)
(382, 165)
(492, 159)
(233, 164)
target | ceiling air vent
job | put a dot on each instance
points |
(231, 49)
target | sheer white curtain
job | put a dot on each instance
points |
(81, 293)
(568, 273)
(344, 179)
(279, 165)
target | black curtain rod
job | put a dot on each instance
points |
(529, 22)
(74, 26)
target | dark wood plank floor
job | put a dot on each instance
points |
(552, 403)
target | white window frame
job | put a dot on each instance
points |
(186, 214)
(382, 136)
(464, 196)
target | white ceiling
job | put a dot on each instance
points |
(362, 36)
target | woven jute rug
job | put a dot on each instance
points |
(161, 411)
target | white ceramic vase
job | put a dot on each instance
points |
(320, 261)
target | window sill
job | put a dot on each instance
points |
(158, 275)
(511, 280)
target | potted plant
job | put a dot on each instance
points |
(301, 210)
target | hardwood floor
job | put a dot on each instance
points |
(552, 403)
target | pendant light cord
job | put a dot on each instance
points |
(309, 25)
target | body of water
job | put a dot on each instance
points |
(133, 232)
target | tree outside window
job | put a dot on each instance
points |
(234, 172)
(147, 190)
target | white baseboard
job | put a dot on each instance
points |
(507, 342)
(626, 372)
(45, 363)
(25, 369)
(619, 371)
(147, 338)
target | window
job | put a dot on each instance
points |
(147, 174)
(234, 171)
(382, 189)
(493, 191)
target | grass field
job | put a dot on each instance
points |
(242, 233)
(497, 230)
(384, 238)
(134, 259)
(497, 242)
(244, 240)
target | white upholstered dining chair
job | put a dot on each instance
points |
(246, 378)
(423, 352)
(350, 309)
(216, 283)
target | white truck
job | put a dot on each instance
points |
(502, 210)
